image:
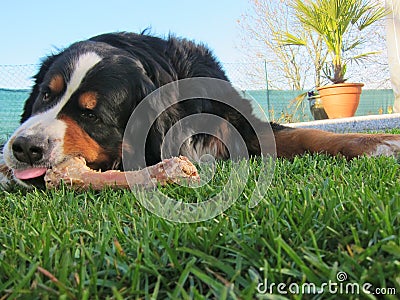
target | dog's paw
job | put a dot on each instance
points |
(5, 177)
(388, 145)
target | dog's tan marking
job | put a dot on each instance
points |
(78, 143)
(57, 84)
(88, 100)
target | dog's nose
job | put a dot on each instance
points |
(26, 150)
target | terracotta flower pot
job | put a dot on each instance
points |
(340, 100)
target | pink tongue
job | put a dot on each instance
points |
(29, 173)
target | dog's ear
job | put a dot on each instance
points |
(152, 113)
(47, 62)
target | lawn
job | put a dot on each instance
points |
(324, 221)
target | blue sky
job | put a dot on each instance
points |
(31, 29)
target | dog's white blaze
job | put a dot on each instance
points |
(81, 67)
(47, 121)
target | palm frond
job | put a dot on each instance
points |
(360, 57)
(298, 100)
(288, 39)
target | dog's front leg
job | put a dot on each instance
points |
(5, 174)
(291, 142)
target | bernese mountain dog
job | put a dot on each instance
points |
(83, 98)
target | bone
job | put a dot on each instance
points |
(77, 175)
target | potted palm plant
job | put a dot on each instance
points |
(340, 23)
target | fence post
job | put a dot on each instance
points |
(393, 45)
(267, 86)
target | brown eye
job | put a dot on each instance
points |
(46, 96)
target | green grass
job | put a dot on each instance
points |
(321, 216)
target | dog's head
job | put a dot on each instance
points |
(79, 106)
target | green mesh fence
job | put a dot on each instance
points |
(278, 105)
(11, 106)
